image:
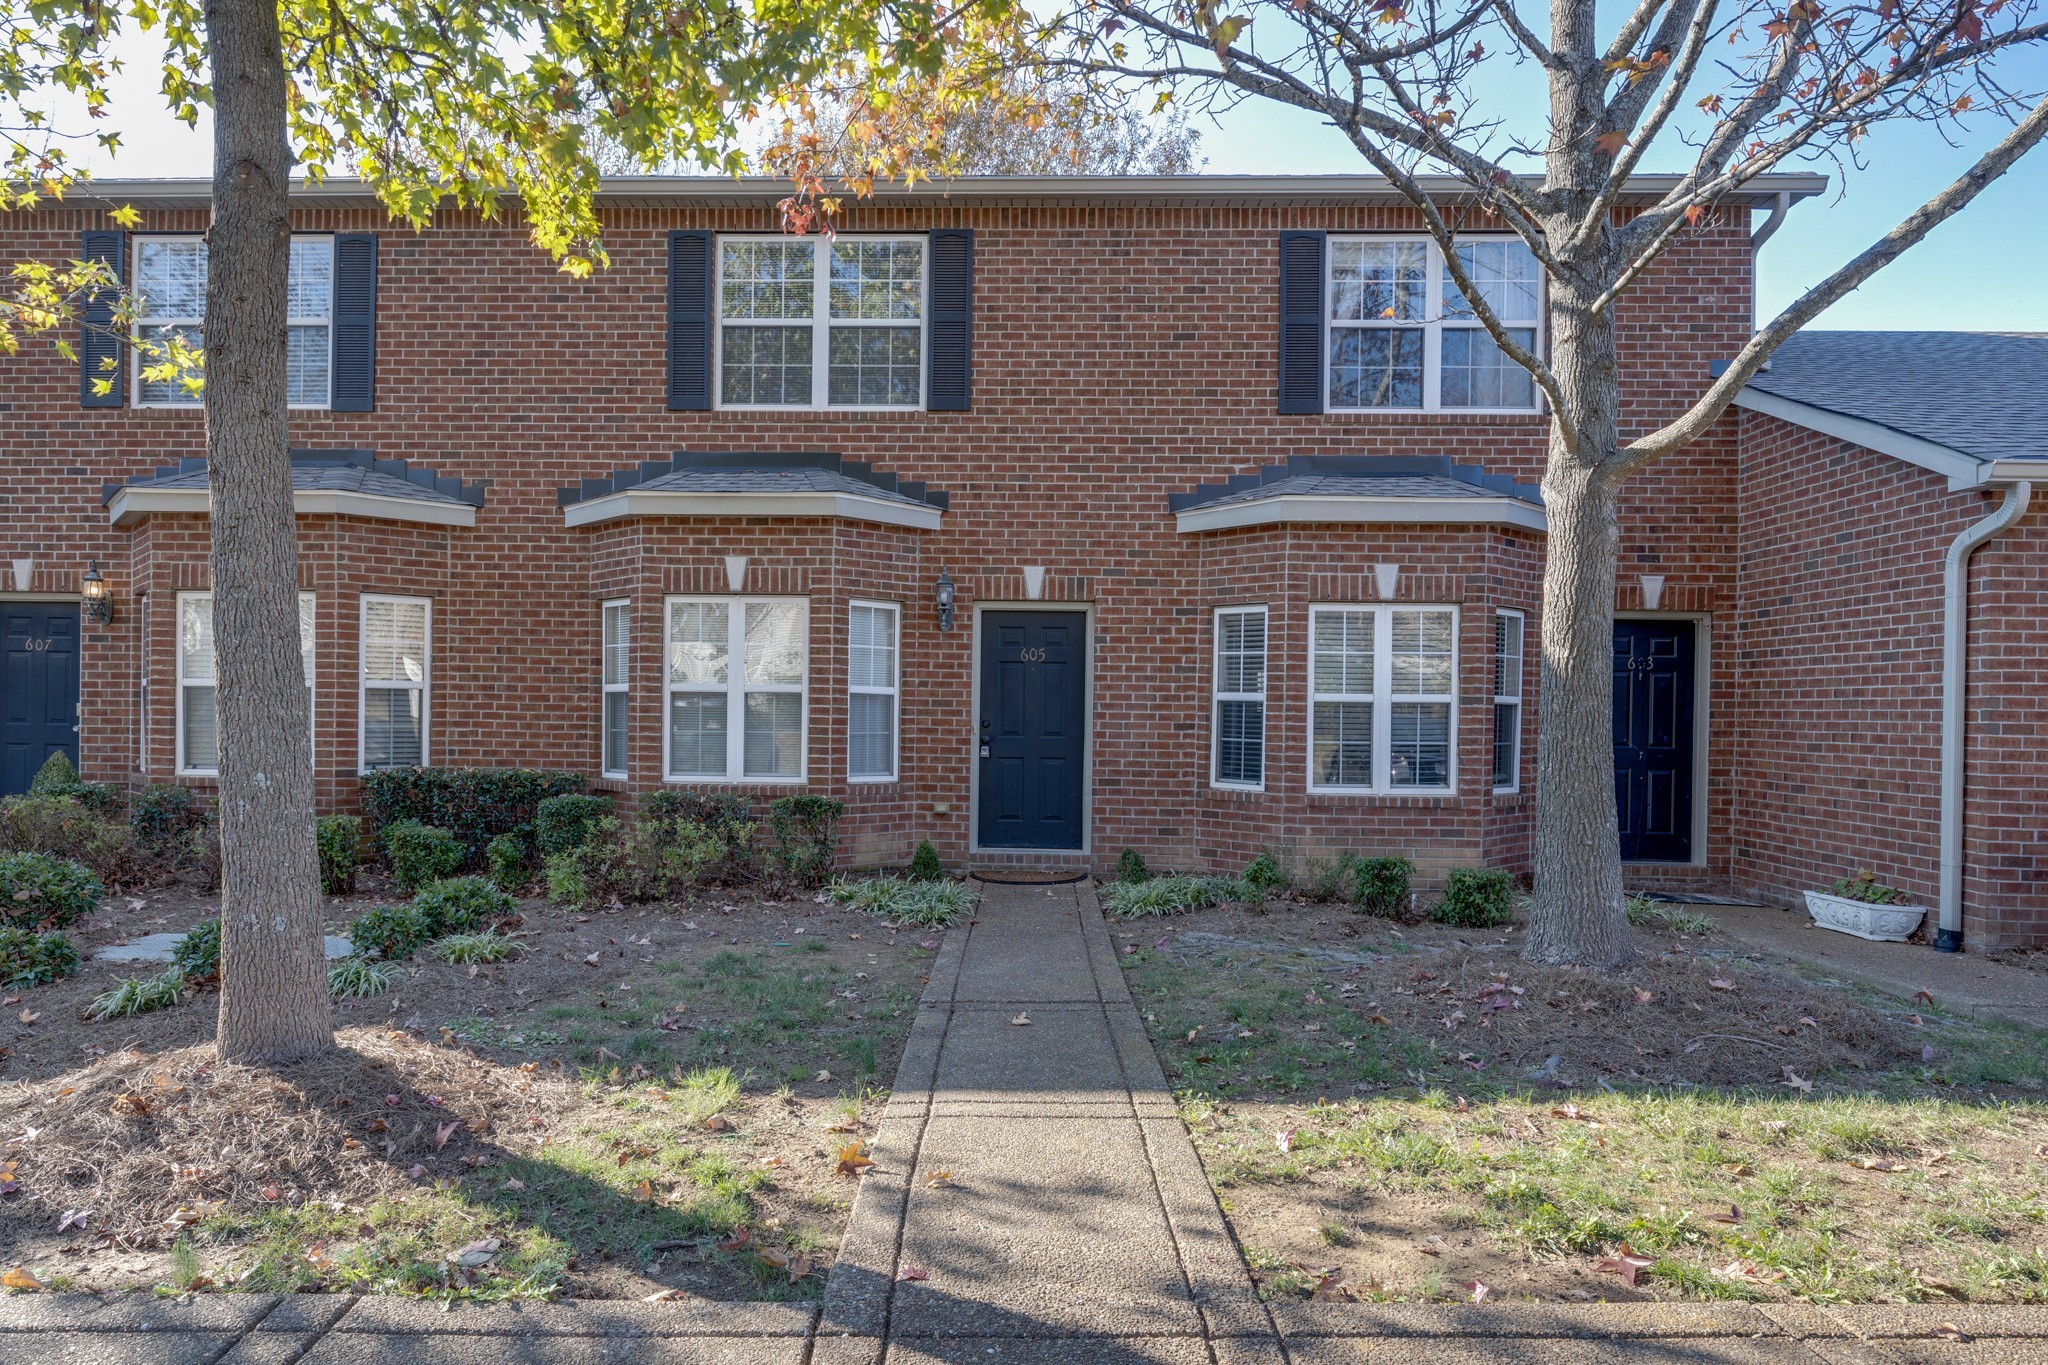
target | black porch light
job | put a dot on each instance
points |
(942, 598)
(99, 608)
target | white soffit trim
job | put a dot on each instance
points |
(845, 506)
(1963, 471)
(1288, 508)
(130, 505)
(2017, 471)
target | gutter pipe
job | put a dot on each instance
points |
(1955, 623)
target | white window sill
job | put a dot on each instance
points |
(1236, 786)
(1383, 791)
(812, 407)
(1432, 412)
(720, 780)
(888, 781)
(201, 407)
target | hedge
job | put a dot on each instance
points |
(475, 805)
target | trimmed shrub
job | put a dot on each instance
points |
(505, 862)
(164, 817)
(1380, 886)
(1264, 873)
(925, 865)
(651, 860)
(1329, 879)
(101, 798)
(1131, 869)
(56, 777)
(421, 853)
(43, 891)
(725, 816)
(339, 839)
(31, 959)
(197, 955)
(392, 932)
(65, 828)
(1476, 898)
(475, 805)
(803, 828)
(459, 904)
(562, 824)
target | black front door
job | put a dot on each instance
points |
(38, 688)
(1653, 740)
(1032, 736)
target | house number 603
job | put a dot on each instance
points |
(1032, 656)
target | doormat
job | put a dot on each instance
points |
(1690, 898)
(1029, 876)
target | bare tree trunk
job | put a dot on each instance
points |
(273, 999)
(1579, 914)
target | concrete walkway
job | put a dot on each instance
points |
(1072, 1225)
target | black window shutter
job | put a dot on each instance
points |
(96, 341)
(355, 323)
(689, 321)
(1301, 322)
(949, 336)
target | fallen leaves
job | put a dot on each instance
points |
(74, 1218)
(1478, 1289)
(1720, 983)
(851, 1160)
(1284, 1140)
(130, 1106)
(911, 1272)
(1020, 1018)
(1797, 1082)
(1625, 1263)
(21, 1278)
(938, 1178)
(477, 1253)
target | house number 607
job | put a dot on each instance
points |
(1033, 656)
(35, 645)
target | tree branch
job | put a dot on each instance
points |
(1915, 227)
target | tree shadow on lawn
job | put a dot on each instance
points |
(397, 1165)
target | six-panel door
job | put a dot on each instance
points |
(1031, 736)
(1653, 739)
(38, 688)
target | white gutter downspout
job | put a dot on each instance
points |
(1955, 635)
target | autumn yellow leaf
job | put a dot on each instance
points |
(18, 1278)
(851, 1162)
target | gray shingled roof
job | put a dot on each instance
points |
(692, 471)
(1984, 394)
(1358, 476)
(330, 471)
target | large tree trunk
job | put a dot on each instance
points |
(1579, 914)
(273, 999)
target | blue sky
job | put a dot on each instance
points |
(1979, 271)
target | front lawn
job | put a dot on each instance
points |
(1409, 1111)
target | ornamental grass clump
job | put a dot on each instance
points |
(138, 995)
(1176, 895)
(903, 900)
(462, 949)
(355, 977)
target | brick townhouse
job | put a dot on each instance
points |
(1047, 517)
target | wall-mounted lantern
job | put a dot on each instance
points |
(942, 598)
(99, 608)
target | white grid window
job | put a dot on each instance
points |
(396, 635)
(736, 675)
(1238, 758)
(615, 671)
(198, 709)
(1403, 338)
(872, 692)
(1508, 627)
(811, 322)
(170, 285)
(1381, 710)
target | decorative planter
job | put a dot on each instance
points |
(1880, 923)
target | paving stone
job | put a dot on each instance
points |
(1064, 1055)
(114, 1348)
(306, 1312)
(1070, 1351)
(846, 1350)
(1924, 1320)
(1025, 947)
(1051, 1227)
(577, 1318)
(47, 1312)
(162, 947)
(1298, 1318)
(342, 1348)
(145, 1312)
(269, 1348)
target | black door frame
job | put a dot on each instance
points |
(970, 734)
(1702, 674)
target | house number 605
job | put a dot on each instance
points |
(1033, 656)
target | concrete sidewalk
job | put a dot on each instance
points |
(1073, 1225)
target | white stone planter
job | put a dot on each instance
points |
(1880, 923)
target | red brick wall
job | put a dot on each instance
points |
(1838, 632)
(1121, 354)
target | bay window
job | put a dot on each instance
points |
(736, 670)
(170, 288)
(871, 703)
(821, 322)
(1381, 705)
(1238, 758)
(395, 640)
(198, 718)
(1402, 336)
(616, 649)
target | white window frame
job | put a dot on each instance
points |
(736, 689)
(608, 689)
(1218, 696)
(425, 686)
(893, 692)
(821, 323)
(1383, 700)
(181, 682)
(1433, 324)
(191, 402)
(1506, 698)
